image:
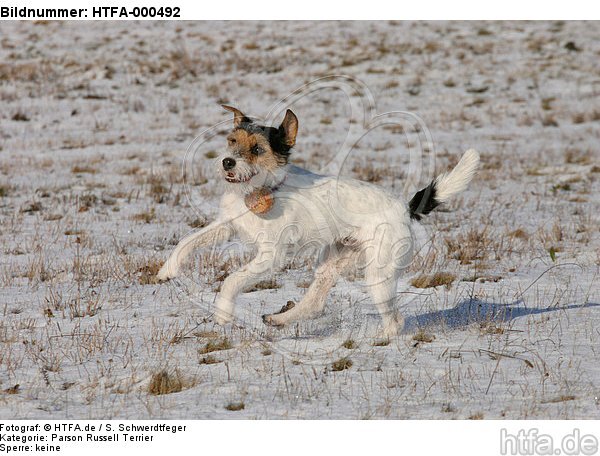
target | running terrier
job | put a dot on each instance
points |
(283, 210)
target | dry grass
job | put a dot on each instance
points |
(83, 169)
(490, 328)
(519, 233)
(435, 280)
(157, 188)
(578, 118)
(466, 248)
(209, 359)
(199, 222)
(24, 72)
(576, 156)
(216, 345)
(341, 364)
(422, 336)
(368, 172)
(131, 171)
(235, 406)
(557, 399)
(168, 382)
(145, 216)
(269, 284)
(31, 206)
(147, 272)
(350, 344)
(20, 116)
(381, 342)
(549, 120)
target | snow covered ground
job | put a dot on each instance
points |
(95, 122)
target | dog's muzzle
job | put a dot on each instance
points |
(232, 178)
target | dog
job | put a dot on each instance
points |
(283, 210)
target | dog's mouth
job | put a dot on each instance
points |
(233, 179)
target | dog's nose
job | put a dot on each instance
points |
(228, 163)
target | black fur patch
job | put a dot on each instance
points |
(275, 136)
(423, 202)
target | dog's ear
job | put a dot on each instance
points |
(289, 128)
(238, 116)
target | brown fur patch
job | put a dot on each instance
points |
(241, 142)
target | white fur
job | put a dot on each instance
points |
(345, 221)
(456, 181)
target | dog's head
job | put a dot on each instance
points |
(256, 155)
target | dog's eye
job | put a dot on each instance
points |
(257, 150)
(231, 141)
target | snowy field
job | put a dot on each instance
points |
(502, 302)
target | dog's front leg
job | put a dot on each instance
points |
(313, 301)
(211, 235)
(255, 271)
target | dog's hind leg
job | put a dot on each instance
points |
(381, 282)
(314, 300)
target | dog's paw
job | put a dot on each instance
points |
(272, 320)
(278, 319)
(167, 272)
(393, 327)
(222, 317)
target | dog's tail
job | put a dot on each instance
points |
(445, 186)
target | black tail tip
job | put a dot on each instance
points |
(423, 202)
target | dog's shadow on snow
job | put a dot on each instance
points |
(471, 311)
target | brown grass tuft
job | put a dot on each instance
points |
(580, 157)
(549, 121)
(235, 406)
(198, 223)
(435, 280)
(20, 116)
(468, 247)
(422, 336)
(165, 382)
(369, 173)
(350, 344)
(147, 273)
(83, 169)
(146, 216)
(578, 118)
(209, 359)
(341, 364)
(561, 398)
(269, 284)
(157, 190)
(381, 343)
(216, 345)
(519, 233)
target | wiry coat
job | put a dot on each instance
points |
(344, 221)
